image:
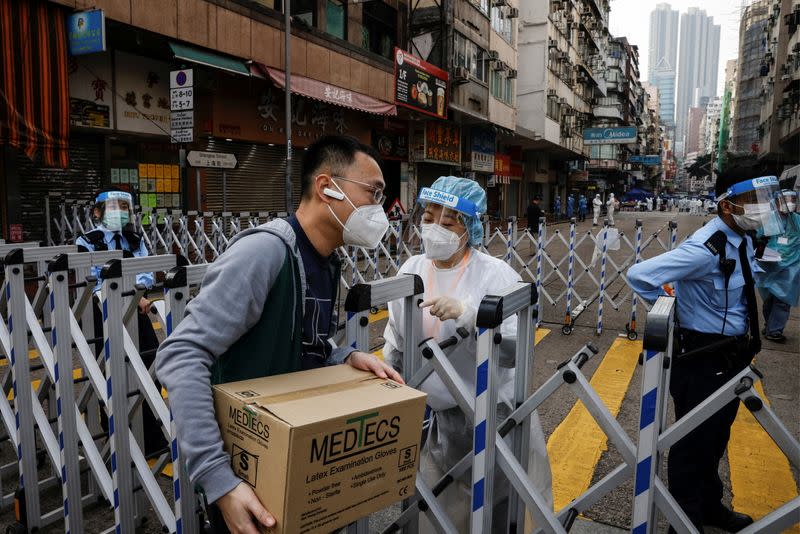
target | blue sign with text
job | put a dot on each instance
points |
(86, 32)
(651, 159)
(607, 136)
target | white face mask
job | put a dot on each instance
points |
(439, 242)
(366, 225)
(759, 216)
(791, 207)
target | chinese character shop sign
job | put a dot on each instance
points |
(442, 142)
(418, 85)
(86, 32)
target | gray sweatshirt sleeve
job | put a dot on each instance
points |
(230, 302)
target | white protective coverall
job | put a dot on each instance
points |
(597, 206)
(450, 436)
(610, 205)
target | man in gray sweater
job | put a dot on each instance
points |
(267, 307)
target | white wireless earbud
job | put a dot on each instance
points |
(328, 192)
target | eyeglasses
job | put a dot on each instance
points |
(377, 192)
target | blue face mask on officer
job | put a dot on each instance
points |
(116, 206)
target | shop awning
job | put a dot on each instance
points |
(209, 59)
(34, 80)
(325, 92)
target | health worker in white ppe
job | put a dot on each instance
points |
(597, 205)
(611, 205)
(457, 276)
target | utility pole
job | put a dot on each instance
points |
(287, 63)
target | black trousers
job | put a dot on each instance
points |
(154, 440)
(693, 466)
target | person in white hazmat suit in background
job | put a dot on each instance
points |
(610, 207)
(456, 277)
(597, 206)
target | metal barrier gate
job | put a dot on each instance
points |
(650, 493)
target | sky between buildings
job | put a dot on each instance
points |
(631, 18)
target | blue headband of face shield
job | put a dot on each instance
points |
(749, 185)
(463, 205)
(115, 195)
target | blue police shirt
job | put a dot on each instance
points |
(699, 283)
(108, 235)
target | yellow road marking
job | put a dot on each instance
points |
(76, 373)
(541, 333)
(577, 443)
(32, 354)
(761, 478)
(380, 316)
(166, 470)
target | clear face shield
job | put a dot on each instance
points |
(440, 220)
(757, 205)
(117, 209)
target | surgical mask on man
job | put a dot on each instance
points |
(759, 216)
(365, 226)
(116, 219)
(439, 242)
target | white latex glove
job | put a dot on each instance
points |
(444, 307)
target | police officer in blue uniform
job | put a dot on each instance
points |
(113, 214)
(713, 276)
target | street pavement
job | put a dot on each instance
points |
(756, 475)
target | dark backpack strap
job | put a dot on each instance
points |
(97, 239)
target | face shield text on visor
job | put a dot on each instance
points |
(441, 219)
(116, 209)
(761, 204)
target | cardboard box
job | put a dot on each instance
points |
(322, 448)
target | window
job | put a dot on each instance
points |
(502, 25)
(503, 88)
(483, 5)
(305, 10)
(472, 57)
(553, 109)
(379, 28)
(335, 17)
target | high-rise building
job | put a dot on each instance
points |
(664, 79)
(779, 129)
(752, 48)
(663, 39)
(697, 65)
(694, 130)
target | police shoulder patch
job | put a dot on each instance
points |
(716, 242)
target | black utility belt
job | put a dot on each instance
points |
(701, 345)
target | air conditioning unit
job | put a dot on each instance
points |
(593, 25)
(563, 55)
(460, 75)
(551, 92)
(551, 43)
(557, 5)
(512, 74)
(500, 65)
(494, 55)
(499, 3)
(785, 77)
(562, 101)
(513, 13)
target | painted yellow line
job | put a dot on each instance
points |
(32, 354)
(380, 316)
(541, 333)
(577, 443)
(167, 469)
(76, 373)
(761, 478)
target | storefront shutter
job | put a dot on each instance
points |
(257, 183)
